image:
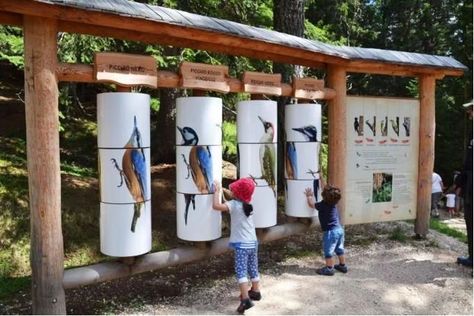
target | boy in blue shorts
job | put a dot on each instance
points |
(333, 232)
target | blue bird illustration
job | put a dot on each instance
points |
(267, 155)
(134, 171)
(309, 131)
(290, 161)
(384, 127)
(199, 166)
(315, 183)
(406, 125)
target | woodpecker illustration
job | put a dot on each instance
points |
(384, 127)
(134, 172)
(372, 125)
(290, 161)
(396, 125)
(310, 132)
(267, 155)
(406, 125)
(356, 125)
(199, 167)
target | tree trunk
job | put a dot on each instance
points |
(288, 17)
(164, 133)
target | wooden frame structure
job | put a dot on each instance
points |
(42, 20)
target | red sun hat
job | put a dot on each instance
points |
(243, 189)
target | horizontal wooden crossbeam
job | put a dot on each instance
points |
(168, 79)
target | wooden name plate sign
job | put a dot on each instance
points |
(308, 88)
(126, 69)
(261, 83)
(204, 77)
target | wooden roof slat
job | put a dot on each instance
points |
(208, 33)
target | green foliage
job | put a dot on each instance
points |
(11, 45)
(398, 235)
(229, 141)
(9, 286)
(443, 228)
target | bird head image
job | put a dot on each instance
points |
(189, 135)
(268, 127)
(309, 131)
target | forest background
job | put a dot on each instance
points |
(437, 27)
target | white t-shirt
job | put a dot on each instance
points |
(450, 200)
(436, 183)
(242, 228)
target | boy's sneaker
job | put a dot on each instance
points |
(325, 271)
(244, 305)
(343, 268)
(255, 296)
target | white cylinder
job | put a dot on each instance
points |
(198, 165)
(264, 202)
(204, 116)
(257, 156)
(303, 132)
(116, 237)
(251, 119)
(196, 220)
(197, 180)
(116, 113)
(113, 182)
(295, 198)
(303, 122)
(123, 127)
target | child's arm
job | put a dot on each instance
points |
(309, 197)
(216, 203)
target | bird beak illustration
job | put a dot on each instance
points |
(261, 120)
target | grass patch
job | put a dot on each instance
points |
(398, 235)
(446, 230)
(9, 286)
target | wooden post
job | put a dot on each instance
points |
(336, 79)
(427, 87)
(44, 177)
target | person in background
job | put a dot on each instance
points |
(243, 238)
(333, 232)
(451, 202)
(436, 193)
(464, 188)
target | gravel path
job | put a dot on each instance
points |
(385, 277)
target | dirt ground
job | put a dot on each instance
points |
(390, 272)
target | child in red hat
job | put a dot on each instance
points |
(243, 238)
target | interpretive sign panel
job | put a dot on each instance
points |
(205, 77)
(257, 82)
(382, 159)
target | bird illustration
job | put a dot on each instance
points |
(199, 167)
(406, 125)
(396, 125)
(371, 126)
(356, 125)
(267, 155)
(384, 127)
(309, 131)
(134, 171)
(315, 183)
(290, 162)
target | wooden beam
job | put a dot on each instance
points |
(166, 79)
(390, 69)
(427, 85)
(44, 174)
(113, 270)
(336, 79)
(12, 19)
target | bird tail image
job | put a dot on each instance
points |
(136, 214)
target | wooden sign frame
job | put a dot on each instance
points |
(308, 88)
(262, 83)
(126, 69)
(204, 76)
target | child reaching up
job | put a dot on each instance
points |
(243, 238)
(333, 233)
